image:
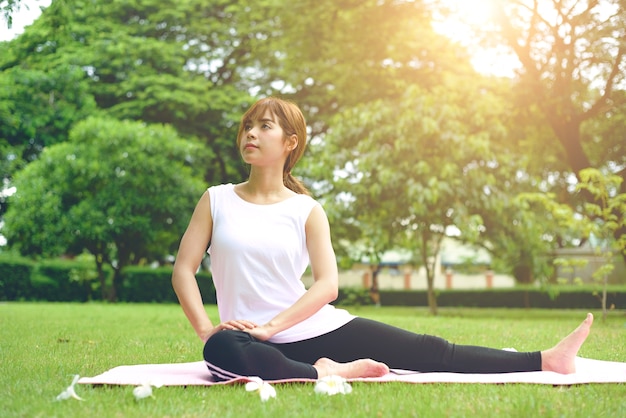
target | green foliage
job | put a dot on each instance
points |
(569, 266)
(38, 107)
(15, 275)
(403, 173)
(339, 55)
(353, 296)
(558, 81)
(185, 64)
(58, 280)
(146, 284)
(607, 213)
(538, 226)
(606, 216)
(193, 64)
(66, 280)
(116, 189)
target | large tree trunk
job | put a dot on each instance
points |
(568, 133)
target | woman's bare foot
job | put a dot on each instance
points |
(561, 358)
(353, 369)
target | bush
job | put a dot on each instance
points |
(147, 284)
(583, 297)
(15, 278)
(353, 296)
(66, 280)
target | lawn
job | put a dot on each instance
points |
(43, 344)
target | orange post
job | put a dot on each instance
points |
(489, 277)
(366, 280)
(448, 279)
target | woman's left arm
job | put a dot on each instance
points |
(326, 281)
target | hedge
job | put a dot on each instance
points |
(15, 278)
(77, 281)
(145, 284)
(66, 281)
(554, 298)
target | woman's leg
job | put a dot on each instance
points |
(398, 348)
(401, 349)
(231, 354)
(364, 348)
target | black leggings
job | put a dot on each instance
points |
(231, 354)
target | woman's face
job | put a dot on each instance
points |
(262, 141)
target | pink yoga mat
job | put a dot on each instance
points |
(196, 374)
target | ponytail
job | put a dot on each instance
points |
(294, 184)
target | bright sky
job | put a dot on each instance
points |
(477, 13)
(23, 17)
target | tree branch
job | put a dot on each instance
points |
(600, 104)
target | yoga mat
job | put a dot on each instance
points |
(196, 374)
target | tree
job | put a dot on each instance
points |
(605, 217)
(189, 64)
(599, 220)
(572, 77)
(340, 54)
(37, 109)
(573, 62)
(405, 170)
(119, 190)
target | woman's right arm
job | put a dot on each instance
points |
(193, 245)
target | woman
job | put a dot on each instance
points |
(261, 235)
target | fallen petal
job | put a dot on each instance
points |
(141, 392)
(267, 391)
(332, 385)
(70, 392)
(252, 386)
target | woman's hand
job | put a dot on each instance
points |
(234, 325)
(262, 333)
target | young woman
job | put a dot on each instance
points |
(261, 235)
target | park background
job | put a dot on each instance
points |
(462, 144)
(448, 139)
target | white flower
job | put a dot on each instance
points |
(145, 390)
(332, 385)
(70, 392)
(256, 384)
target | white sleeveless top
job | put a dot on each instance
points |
(258, 256)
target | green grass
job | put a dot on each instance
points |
(42, 345)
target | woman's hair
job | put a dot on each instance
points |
(292, 121)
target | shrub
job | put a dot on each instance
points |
(147, 284)
(15, 277)
(66, 280)
(579, 297)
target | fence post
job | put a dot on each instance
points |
(489, 277)
(448, 278)
(366, 280)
